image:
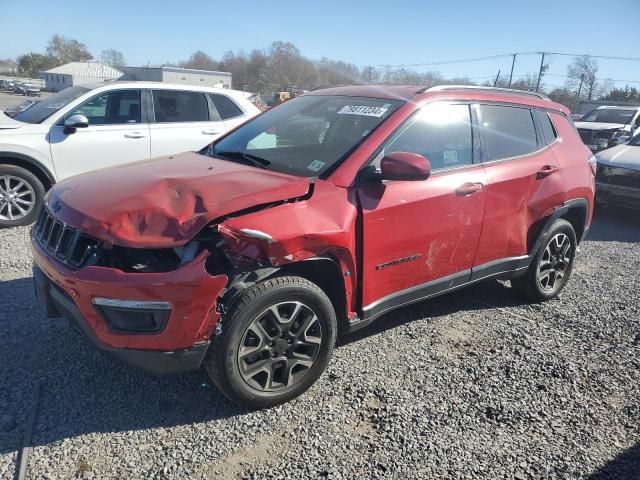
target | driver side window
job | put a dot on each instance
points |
(111, 108)
(441, 132)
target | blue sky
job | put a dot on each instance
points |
(361, 32)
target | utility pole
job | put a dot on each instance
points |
(540, 72)
(495, 82)
(579, 91)
(580, 87)
(513, 64)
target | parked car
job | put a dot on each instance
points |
(606, 127)
(21, 107)
(251, 255)
(16, 87)
(84, 128)
(31, 90)
(618, 175)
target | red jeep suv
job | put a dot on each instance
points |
(316, 217)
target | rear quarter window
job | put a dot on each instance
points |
(225, 106)
(548, 130)
(506, 131)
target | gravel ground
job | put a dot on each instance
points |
(475, 384)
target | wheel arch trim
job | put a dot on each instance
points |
(580, 205)
(32, 162)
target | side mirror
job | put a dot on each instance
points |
(74, 122)
(404, 166)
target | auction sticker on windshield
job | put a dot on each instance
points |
(364, 110)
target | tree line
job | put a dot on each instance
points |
(282, 66)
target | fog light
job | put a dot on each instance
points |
(134, 316)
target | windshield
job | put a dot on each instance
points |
(609, 115)
(635, 141)
(306, 136)
(13, 111)
(47, 107)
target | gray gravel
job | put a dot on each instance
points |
(476, 384)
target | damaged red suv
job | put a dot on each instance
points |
(314, 218)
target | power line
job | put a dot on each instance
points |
(505, 55)
(448, 62)
(602, 57)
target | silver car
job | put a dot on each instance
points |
(618, 175)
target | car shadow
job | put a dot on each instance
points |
(81, 389)
(84, 391)
(615, 224)
(625, 465)
(481, 296)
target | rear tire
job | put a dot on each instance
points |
(21, 196)
(276, 340)
(552, 265)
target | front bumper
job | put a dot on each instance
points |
(181, 344)
(618, 195)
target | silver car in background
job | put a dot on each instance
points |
(618, 175)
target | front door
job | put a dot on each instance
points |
(115, 135)
(420, 237)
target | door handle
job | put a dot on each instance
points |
(134, 135)
(210, 132)
(546, 171)
(468, 189)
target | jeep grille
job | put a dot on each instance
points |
(63, 242)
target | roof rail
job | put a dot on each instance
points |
(439, 88)
(335, 85)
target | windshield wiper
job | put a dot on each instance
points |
(247, 157)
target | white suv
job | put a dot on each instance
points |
(94, 126)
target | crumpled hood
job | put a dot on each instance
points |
(165, 201)
(599, 125)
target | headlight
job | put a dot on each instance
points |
(593, 163)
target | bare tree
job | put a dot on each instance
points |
(583, 70)
(113, 57)
(65, 50)
(199, 60)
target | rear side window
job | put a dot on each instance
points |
(440, 132)
(548, 130)
(506, 131)
(179, 106)
(225, 106)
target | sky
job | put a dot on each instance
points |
(361, 32)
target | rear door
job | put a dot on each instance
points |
(420, 237)
(183, 121)
(525, 179)
(117, 133)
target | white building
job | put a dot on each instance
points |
(77, 73)
(188, 76)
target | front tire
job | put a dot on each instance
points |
(21, 196)
(551, 268)
(276, 340)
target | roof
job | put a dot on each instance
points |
(87, 69)
(619, 107)
(180, 70)
(416, 92)
(399, 92)
(164, 86)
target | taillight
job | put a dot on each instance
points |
(593, 163)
